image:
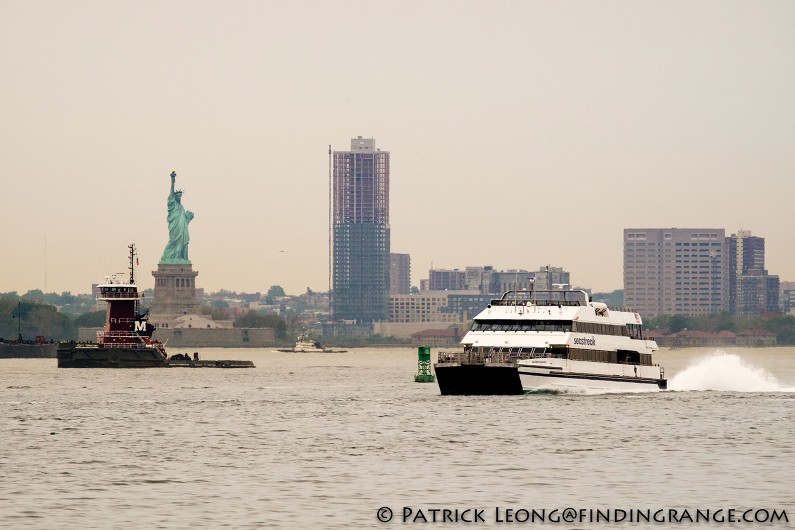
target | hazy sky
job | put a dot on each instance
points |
(522, 133)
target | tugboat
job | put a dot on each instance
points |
(126, 340)
(306, 345)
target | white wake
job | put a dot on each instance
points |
(726, 371)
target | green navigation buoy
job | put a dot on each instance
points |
(424, 374)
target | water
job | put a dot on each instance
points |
(325, 440)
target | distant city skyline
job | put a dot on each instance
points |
(522, 133)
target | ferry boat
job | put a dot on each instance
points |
(126, 339)
(550, 340)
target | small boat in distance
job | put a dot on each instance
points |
(550, 340)
(126, 340)
(306, 345)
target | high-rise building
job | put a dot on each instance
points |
(751, 289)
(787, 296)
(446, 280)
(400, 274)
(360, 231)
(676, 270)
(486, 280)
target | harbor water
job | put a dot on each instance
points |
(332, 440)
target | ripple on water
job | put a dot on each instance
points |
(328, 450)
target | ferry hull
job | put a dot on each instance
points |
(568, 382)
(456, 379)
(506, 380)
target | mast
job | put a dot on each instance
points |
(19, 319)
(131, 246)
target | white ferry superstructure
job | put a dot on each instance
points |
(550, 340)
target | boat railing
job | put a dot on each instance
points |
(103, 295)
(116, 334)
(120, 337)
(622, 309)
(492, 355)
(130, 340)
(122, 320)
(132, 345)
(542, 298)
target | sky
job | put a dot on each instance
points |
(522, 133)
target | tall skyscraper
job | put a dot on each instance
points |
(360, 231)
(751, 289)
(676, 270)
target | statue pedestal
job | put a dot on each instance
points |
(175, 294)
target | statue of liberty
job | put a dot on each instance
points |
(176, 251)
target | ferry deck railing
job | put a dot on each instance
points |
(492, 355)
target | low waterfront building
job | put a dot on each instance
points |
(437, 337)
(429, 306)
(692, 338)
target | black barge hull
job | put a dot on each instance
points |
(27, 351)
(457, 379)
(72, 355)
